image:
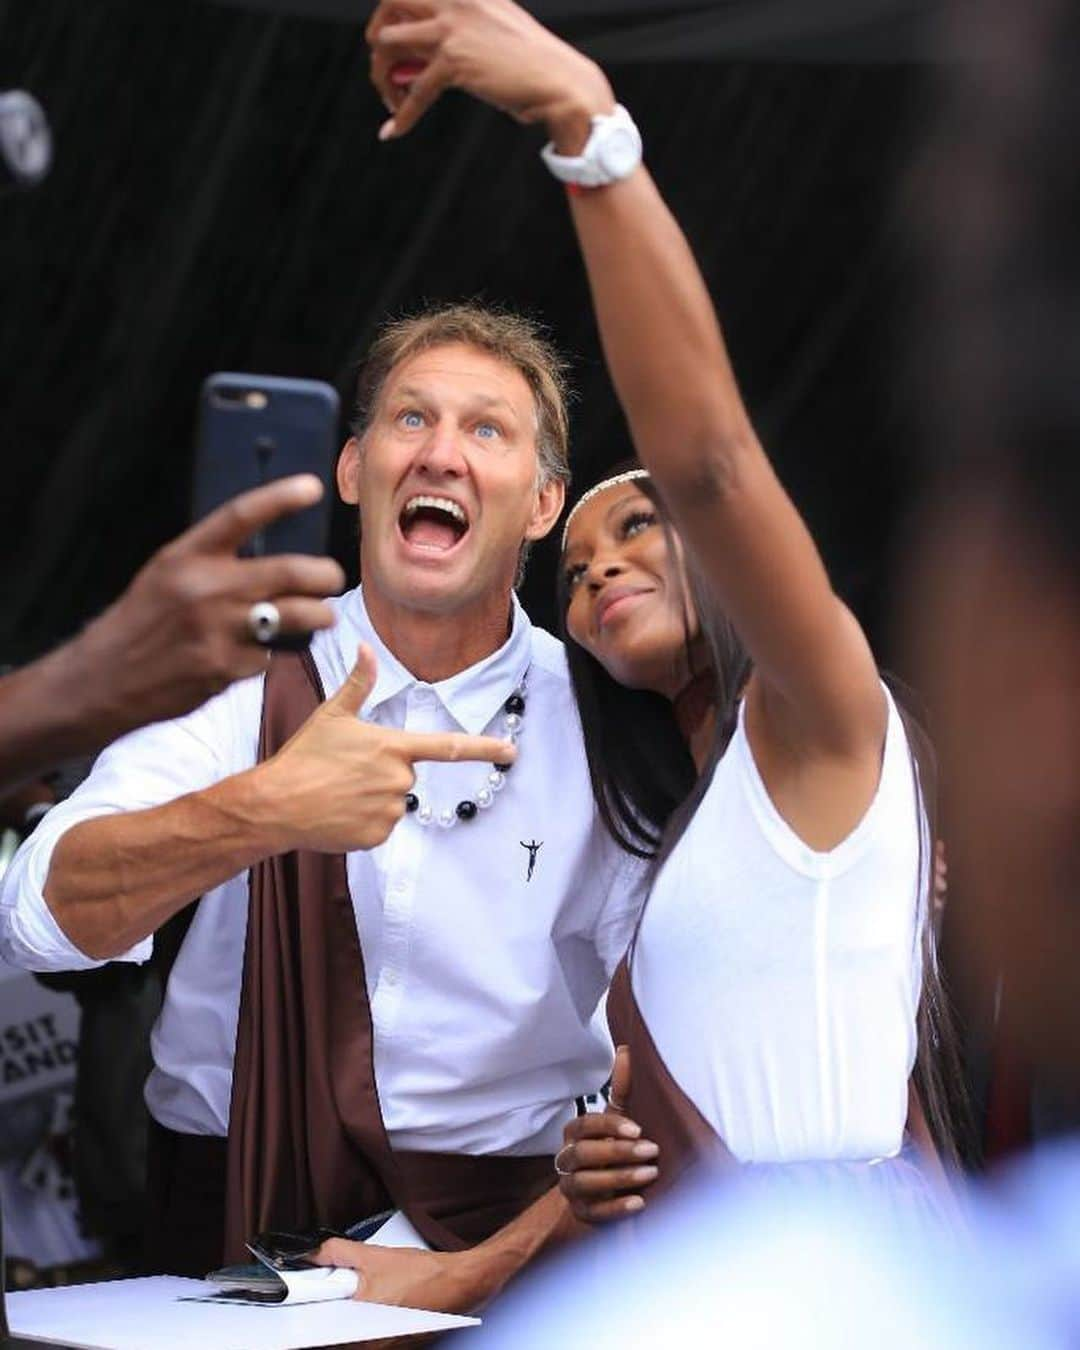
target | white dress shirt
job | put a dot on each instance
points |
(484, 980)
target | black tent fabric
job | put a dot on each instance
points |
(635, 30)
(220, 201)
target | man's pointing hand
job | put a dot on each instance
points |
(340, 783)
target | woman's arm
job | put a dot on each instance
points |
(818, 683)
(817, 694)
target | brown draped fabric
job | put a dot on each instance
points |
(307, 1144)
(670, 1119)
(665, 1113)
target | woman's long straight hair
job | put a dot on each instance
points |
(940, 1074)
(647, 789)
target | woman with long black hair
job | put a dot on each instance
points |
(784, 975)
(738, 727)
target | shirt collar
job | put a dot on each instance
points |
(472, 697)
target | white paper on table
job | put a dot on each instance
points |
(318, 1285)
(324, 1282)
(398, 1231)
(161, 1312)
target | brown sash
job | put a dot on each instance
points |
(307, 1144)
(656, 1102)
(670, 1119)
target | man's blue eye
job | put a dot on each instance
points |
(412, 419)
(487, 430)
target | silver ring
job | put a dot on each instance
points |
(562, 1171)
(264, 621)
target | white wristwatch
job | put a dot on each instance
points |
(612, 152)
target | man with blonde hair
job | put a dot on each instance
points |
(385, 994)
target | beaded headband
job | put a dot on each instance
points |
(630, 476)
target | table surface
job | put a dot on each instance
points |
(153, 1312)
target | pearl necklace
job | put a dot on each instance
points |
(513, 715)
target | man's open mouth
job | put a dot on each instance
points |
(435, 523)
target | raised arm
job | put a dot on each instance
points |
(818, 680)
(817, 688)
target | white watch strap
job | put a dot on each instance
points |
(612, 152)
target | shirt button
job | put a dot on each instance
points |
(398, 888)
(391, 978)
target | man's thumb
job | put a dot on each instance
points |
(358, 683)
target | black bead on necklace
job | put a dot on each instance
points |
(513, 716)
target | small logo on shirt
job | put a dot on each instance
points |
(534, 848)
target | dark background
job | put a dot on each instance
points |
(219, 201)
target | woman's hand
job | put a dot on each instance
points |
(492, 49)
(604, 1163)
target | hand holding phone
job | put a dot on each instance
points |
(180, 632)
(253, 431)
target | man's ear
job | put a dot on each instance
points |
(348, 470)
(550, 501)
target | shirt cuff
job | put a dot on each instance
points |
(30, 936)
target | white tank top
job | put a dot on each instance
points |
(780, 984)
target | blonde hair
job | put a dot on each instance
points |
(511, 338)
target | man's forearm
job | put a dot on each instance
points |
(116, 879)
(487, 1268)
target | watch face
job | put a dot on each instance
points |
(620, 151)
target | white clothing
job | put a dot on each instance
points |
(819, 1266)
(483, 976)
(780, 984)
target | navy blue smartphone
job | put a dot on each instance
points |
(254, 429)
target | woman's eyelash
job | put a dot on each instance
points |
(636, 519)
(630, 525)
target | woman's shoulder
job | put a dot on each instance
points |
(737, 794)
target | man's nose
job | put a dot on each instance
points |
(441, 453)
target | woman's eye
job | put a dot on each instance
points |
(574, 575)
(636, 522)
(487, 431)
(412, 419)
